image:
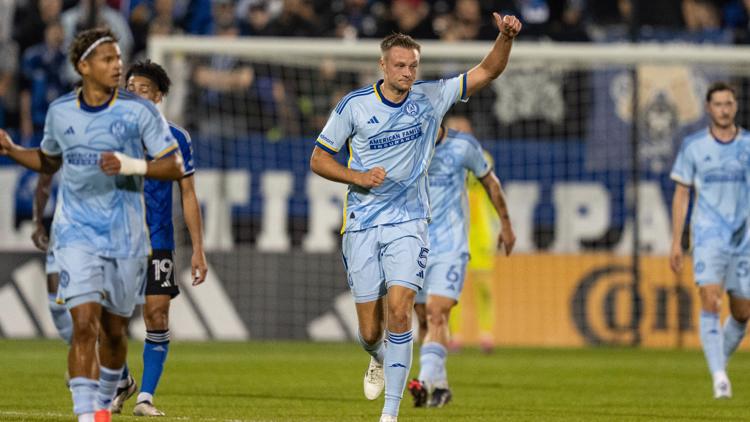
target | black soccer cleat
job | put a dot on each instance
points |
(122, 394)
(440, 397)
(418, 392)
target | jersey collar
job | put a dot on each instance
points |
(384, 100)
(94, 109)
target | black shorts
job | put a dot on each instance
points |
(160, 274)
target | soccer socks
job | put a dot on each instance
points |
(734, 332)
(108, 379)
(376, 350)
(124, 377)
(154, 354)
(432, 365)
(712, 339)
(84, 393)
(397, 363)
(61, 317)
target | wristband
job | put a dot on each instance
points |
(130, 166)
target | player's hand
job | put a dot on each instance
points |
(199, 267)
(507, 239)
(675, 258)
(40, 238)
(109, 164)
(508, 25)
(371, 178)
(6, 143)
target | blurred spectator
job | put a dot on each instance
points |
(566, 21)
(8, 98)
(7, 12)
(534, 14)
(409, 17)
(223, 21)
(78, 18)
(741, 20)
(353, 19)
(42, 82)
(466, 22)
(255, 17)
(319, 91)
(297, 19)
(608, 12)
(145, 14)
(701, 15)
(734, 15)
(223, 82)
(33, 21)
(198, 17)
(660, 14)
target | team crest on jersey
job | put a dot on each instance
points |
(700, 266)
(64, 278)
(123, 130)
(411, 108)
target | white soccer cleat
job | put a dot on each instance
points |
(388, 418)
(374, 382)
(145, 408)
(722, 389)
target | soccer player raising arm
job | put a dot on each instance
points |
(391, 127)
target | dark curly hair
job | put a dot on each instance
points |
(84, 40)
(717, 87)
(152, 71)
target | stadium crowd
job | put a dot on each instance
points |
(34, 35)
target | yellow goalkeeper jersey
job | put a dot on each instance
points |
(484, 226)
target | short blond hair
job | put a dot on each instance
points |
(398, 39)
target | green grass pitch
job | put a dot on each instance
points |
(292, 381)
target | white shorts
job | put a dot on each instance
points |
(118, 284)
(51, 266)
(714, 265)
(383, 256)
(445, 277)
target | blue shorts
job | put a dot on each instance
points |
(51, 266)
(445, 277)
(383, 256)
(118, 284)
(715, 265)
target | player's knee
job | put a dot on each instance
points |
(436, 316)
(157, 320)
(399, 320)
(741, 314)
(371, 336)
(85, 330)
(711, 300)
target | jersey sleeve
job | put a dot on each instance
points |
(155, 133)
(50, 146)
(683, 169)
(186, 149)
(475, 159)
(336, 131)
(447, 92)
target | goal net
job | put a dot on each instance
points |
(582, 137)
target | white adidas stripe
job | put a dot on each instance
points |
(219, 319)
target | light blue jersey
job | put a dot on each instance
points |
(400, 138)
(719, 173)
(455, 154)
(99, 214)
